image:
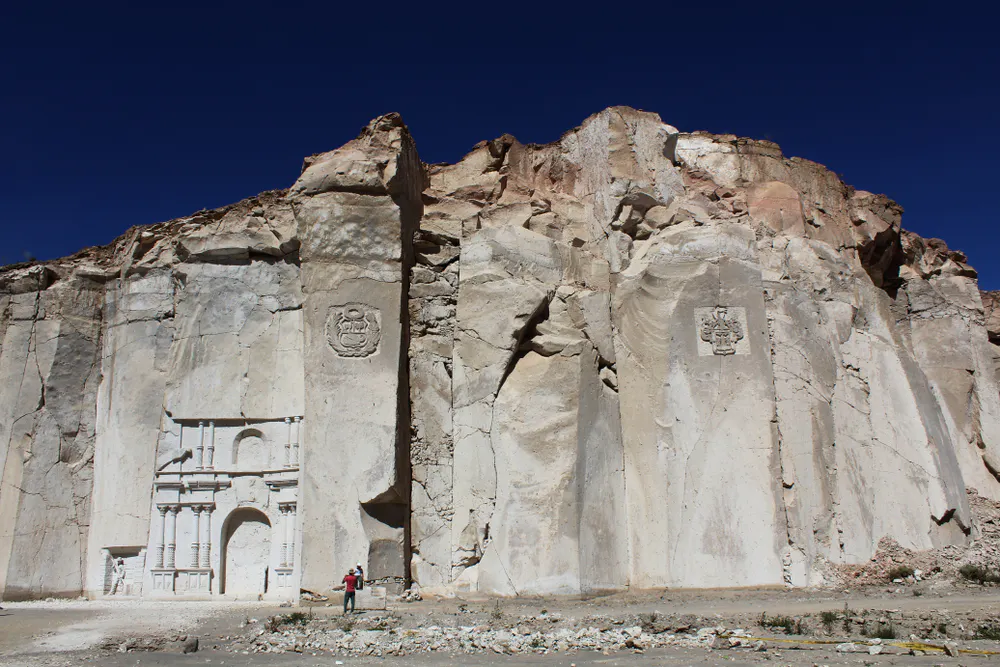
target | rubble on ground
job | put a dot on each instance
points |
(411, 594)
(495, 632)
(938, 567)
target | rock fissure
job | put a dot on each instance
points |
(787, 488)
(525, 333)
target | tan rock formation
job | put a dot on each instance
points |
(634, 357)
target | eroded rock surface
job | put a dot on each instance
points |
(634, 357)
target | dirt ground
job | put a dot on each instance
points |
(752, 627)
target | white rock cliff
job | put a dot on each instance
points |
(634, 357)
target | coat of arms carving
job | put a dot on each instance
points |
(722, 329)
(353, 329)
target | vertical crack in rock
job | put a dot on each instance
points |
(607, 370)
(411, 213)
(783, 475)
(432, 292)
(993, 471)
(523, 336)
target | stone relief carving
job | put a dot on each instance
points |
(721, 331)
(171, 457)
(123, 570)
(250, 450)
(118, 576)
(353, 329)
(251, 463)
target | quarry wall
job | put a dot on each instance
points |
(634, 357)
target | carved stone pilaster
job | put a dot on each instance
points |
(210, 452)
(199, 457)
(206, 536)
(195, 543)
(170, 559)
(284, 542)
(161, 547)
(288, 442)
(296, 442)
(288, 542)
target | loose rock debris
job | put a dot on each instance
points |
(383, 635)
(476, 639)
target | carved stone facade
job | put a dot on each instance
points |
(225, 501)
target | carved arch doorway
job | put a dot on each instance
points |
(246, 553)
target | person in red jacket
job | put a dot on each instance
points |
(351, 584)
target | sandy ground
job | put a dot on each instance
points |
(59, 628)
(58, 633)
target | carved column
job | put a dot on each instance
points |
(295, 446)
(206, 536)
(196, 535)
(290, 535)
(283, 508)
(199, 456)
(210, 454)
(288, 442)
(170, 559)
(161, 547)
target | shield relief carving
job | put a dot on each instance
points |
(354, 329)
(721, 331)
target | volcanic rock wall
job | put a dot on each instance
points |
(631, 358)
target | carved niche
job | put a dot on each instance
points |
(123, 567)
(354, 329)
(721, 331)
(250, 451)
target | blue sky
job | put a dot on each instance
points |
(116, 115)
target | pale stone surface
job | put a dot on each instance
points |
(681, 412)
(356, 209)
(240, 328)
(559, 481)
(247, 549)
(952, 329)
(129, 408)
(633, 357)
(49, 369)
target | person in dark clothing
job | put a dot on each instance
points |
(351, 584)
